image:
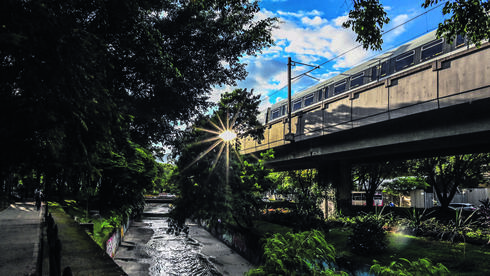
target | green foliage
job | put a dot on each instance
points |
(96, 85)
(447, 173)
(456, 230)
(247, 194)
(414, 220)
(242, 106)
(484, 213)
(301, 186)
(367, 20)
(163, 181)
(212, 181)
(125, 178)
(403, 185)
(468, 17)
(305, 253)
(404, 267)
(368, 235)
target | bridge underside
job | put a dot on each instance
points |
(463, 128)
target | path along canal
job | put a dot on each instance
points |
(147, 249)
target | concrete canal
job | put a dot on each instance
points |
(148, 249)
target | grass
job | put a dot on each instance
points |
(459, 258)
(264, 228)
(102, 227)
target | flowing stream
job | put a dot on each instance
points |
(150, 247)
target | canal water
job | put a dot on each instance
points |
(149, 249)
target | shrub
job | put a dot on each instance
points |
(456, 229)
(415, 221)
(305, 253)
(368, 235)
(406, 267)
(484, 213)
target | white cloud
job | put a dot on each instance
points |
(308, 38)
(315, 21)
(299, 14)
(340, 20)
(396, 27)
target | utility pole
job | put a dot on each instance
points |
(289, 136)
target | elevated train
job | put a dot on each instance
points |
(421, 50)
(425, 74)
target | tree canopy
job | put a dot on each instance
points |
(213, 181)
(467, 17)
(447, 173)
(85, 80)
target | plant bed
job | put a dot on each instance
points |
(459, 258)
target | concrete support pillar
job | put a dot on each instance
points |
(338, 175)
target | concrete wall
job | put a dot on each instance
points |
(420, 199)
(461, 77)
(473, 195)
(112, 244)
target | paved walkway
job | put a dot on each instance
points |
(79, 251)
(20, 230)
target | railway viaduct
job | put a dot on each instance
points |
(437, 108)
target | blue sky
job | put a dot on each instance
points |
(310, 32)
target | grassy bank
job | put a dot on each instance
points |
(460, 258)
(102, 227)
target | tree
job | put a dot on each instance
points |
(248, 192)
(163, 181)
(448, 173)
(369, 176)
(307, 195)
(211, 182)
(403, 185)
(242, 106)
(80, 78)
(468, 17)
(367, 20)
(125, 177)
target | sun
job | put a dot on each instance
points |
(228, 135)
(224, 137)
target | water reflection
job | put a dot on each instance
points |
(164, 251)
(172, 254)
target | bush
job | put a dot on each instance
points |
(415, 221)
(406, 267)
(305, 253)
(484, 213)
(368, 235)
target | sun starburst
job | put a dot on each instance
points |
(225, 137)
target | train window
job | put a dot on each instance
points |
(309, 99)
(356, 80)
(404, 60)
(339, 87)
(276, 113)
(460, 41)
(431, 49)
(325, 94)
(374, 73)
(297, 105)
(319, 94)
(383, 69)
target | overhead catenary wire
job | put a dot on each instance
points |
(296, 78)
